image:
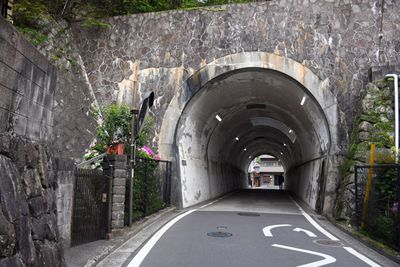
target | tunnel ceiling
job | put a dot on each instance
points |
(263, 109)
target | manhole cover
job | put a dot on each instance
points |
(219, 234)
(248, 214)
(329, 243)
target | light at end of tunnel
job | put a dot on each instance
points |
(218, 118)
(303, 100)
(245, 149)
(237, 138)
(290, 131)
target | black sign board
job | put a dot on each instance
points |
(147, 103)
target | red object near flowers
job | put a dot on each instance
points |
(116, 149)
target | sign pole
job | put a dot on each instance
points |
(132, 156)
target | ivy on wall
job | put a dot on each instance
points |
(373, 125)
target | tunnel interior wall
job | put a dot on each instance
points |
(304, 182)
(207, 179)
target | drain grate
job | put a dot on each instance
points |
(219, 234)
(253, 214)
(328, 243)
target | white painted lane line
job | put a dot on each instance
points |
(361, 257)
(138, 259)
(309, 233)
(314, 223)
(218, 199)
(267, 230)
(327, 259)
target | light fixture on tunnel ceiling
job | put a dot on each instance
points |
(245, 149)
(237, 138)
(284, 144)
(270, 122)
(303, 100)
(281, 153)
(218, 117)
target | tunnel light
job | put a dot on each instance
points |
(249, 157)
(290, 131)
(237, 138)
(281, 153)
(284, 144)
(245, 149)
(303, 100)
(218, 118)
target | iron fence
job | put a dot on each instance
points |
(91, 203)
(377, 192)
(151, 187)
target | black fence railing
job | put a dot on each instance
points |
(90, 214)
(4, 6)
(377, 194)
(151, 187)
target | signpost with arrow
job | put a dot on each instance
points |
(137, 126)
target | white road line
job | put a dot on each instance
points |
(314, 223)
(137, 260)
(309, 233)
(327, 259)
(218, 199)
(267, 230)
(361, 257)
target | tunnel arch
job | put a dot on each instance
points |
(206, 172)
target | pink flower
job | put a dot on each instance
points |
(148, 150)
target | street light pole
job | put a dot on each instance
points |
(396, 114)
(133, 155)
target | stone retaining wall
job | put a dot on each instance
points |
(28, 216)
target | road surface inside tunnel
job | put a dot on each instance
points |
(247, 228)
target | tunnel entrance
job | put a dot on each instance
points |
(234, 111)
(264, 172)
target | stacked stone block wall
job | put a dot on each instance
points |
(28, 215)
(120, 175)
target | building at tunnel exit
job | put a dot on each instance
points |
(245, 80)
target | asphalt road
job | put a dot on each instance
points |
(249, 228)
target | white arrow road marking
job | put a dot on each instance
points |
(267, 230)
(361, 257)
(314, 223)
(309, 233)
(327, 259)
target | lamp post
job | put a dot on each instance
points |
(396, 114)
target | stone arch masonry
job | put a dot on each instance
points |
(338, 41)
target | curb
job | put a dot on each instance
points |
(366, 242)
(127, 233)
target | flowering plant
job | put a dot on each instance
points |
(147, 150)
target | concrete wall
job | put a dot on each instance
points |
(28, 218)
(64, 195)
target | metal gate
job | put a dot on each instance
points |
(90, 206)
(377, 194)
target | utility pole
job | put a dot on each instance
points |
(134, 112)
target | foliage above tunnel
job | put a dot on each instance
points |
(28, 12)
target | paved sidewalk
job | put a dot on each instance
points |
(91, 254)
